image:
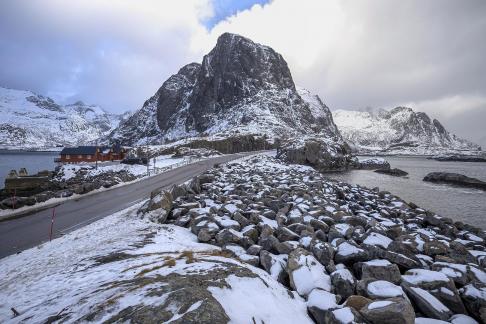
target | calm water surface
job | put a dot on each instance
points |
(33, 161)
(467, 205)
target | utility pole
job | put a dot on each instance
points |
(148, 160)
(96, 155)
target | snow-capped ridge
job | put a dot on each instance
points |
(400, 130)
(32, 121)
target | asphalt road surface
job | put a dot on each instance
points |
(22, 233)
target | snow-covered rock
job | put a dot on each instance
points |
(395, 310)
(32, 121)
(398, 131)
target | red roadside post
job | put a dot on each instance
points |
(52, 222)
(14, 198)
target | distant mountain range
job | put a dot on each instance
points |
(241, 88)
(32, 121)
(398, 131)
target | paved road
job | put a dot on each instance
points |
(19, 234)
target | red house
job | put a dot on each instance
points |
(91, 154)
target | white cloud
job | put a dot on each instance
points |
(377, 53)
(113, 53)
(352, 53)
(451, 106)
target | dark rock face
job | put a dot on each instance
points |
(455, 179)
(144, 125)
(234, 70)
(241, 89)
(239, 84)
(173, 95)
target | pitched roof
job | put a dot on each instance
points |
(90, 150)
(80, 150)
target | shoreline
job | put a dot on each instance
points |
(9, 214)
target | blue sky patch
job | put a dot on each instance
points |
(226, 8)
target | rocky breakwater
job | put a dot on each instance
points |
(455, 179)
(356, 255)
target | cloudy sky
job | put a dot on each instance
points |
(429, 55)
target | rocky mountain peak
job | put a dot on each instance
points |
(238, 58)
(190, 71)
(241, 88)
(401, 109)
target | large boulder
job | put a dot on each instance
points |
(455, 179)
(275, 265)
(344, 315)
(379, 289)
(343, 283)
(324, 155)
(349, 253)
(306, 273)
(393, 310)
(319, 302)
(380, 270)
(427, 303)
(437, 284)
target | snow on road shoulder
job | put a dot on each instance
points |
(123, 262)
(69, 171)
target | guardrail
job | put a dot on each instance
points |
(184, 162)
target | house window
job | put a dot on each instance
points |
(80, 156)
(88, 157)
(68, 157)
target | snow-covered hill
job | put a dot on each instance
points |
(32, 121)
(240, 88)
(398, 131)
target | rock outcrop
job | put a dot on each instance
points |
(393, 172)
(324, 155)
(455, 179)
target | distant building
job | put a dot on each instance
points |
(91, 154)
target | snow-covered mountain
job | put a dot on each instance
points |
(32, 121)
(240, 88)
(398, 131)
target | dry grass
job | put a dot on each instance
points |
(189, 255)
(169, 262)
(218, 253)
